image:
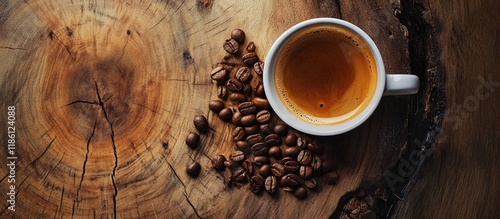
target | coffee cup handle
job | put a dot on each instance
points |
(399, 84)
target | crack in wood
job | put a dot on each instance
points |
(192, 206)
(64, 45)
(175, 173)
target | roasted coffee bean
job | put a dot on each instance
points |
(275, 151)
(291, 139)
(263, 116)
(265, 170)
(238, 133)
(331, 178)
(281, 129)
(260, 160)
(304, 157)
(285, 159)
(216, 105)
(266, 129)
(291, 166)
(234, 85)
(250, 58)
(240, 175)
(237, 156)
(300, 193)
(292, 180)
(256, 184)
(305, 171)
(237, 97)
(193, 169)
(226, 114)
(243, 74)
(250, 130)
(218, 162)
(259, 91)
(254, 139)
(291, 151)
(258, 67)
(311, 183)
(242, 145)
(317, 164)
(273, 140)
(231, 46)
(259, 149)
(277, 169)
(286, 188)
(200, 123)
(219, 73)
(247, 108)
(236, 118)
(271, 184)
(247, 89)
(228, 176)
(192, 139)
(221, 91)
(315, 148)
(261, 103)
(248, 166)
(238, 35)
(248, 120)
(302, 143)
(251, 47)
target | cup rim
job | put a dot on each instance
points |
(316, 129)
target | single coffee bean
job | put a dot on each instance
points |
(243, 74)
(192, 139)
(234, 85)
(248, 120)
(247, 108)
(304, 157)
(248, 166)
(302, 143)
(254, 139)
(285, 159)
(240, 175)
(251, 47)
(250, 58)
(247, 89)
(231, 46)
(216, 105)
(238, 133)
(237, 156)
(273, 140)
(261, 103)
(331, 178)
(259, 91)
(228, 176)
(265, 170)
(278, 169)
(275, 151)
(259, 149)
(258, 67)
(300, 193)
(242, 145)
(218, 162)
(250, 130)
(219, 73)
(200, 123)
(317, 149)
(236, 118)
(226, 114)
(292, 180)
(291, 139)
(271, 184)
(281, 129)
(305, 171)
(291, 151)
(260, 160)
(266, 129)
(229, 164)
(263, 116)
(292, 166)
(317, 164)
(193, 169)
(238, 35)
(221, 91)
(311, 183)
(256, 184)
(237, 97)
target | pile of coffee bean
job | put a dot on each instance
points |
(269, 154)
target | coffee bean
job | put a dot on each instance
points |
(192, 139)
(267, 128)
(200, 123)
(248, 166)
(259, 91)
(271, 184)
(216, 105)
(243, 74)
(317, 149)
(236, 118)
(237, 97)
(221, 91)
(250, 130)
(300, 193)
(228, 176)
(247, 108)
(305, 171)
(234, 85)
(259, 149)
(277, 169)
(304, 157)
(250, 58)
(218, 162)
(218, 73)
(231, 46)
(260, 160)
(258, 67)
(240, 175)
(311, 183)
(331, 178)
(291, 139)
(242, 145)
(193, 169)
(248, 120)
(238, 133)
(265, 170)
(256, 184)
(229, 164)
(291, 151)
(292, 180)
(251, 47)
(281, 129)
(285, 159)
(263, 116)
(237, 156)
(302, 143)
(273, 140)
(261, 103)
(291, 166)
(226, 114)
(247, 89)
(317, 164)
(275, 152)
(238, 35)
(254, 139)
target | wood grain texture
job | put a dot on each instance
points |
(105, 93)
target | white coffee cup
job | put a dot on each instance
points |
(387, 84)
